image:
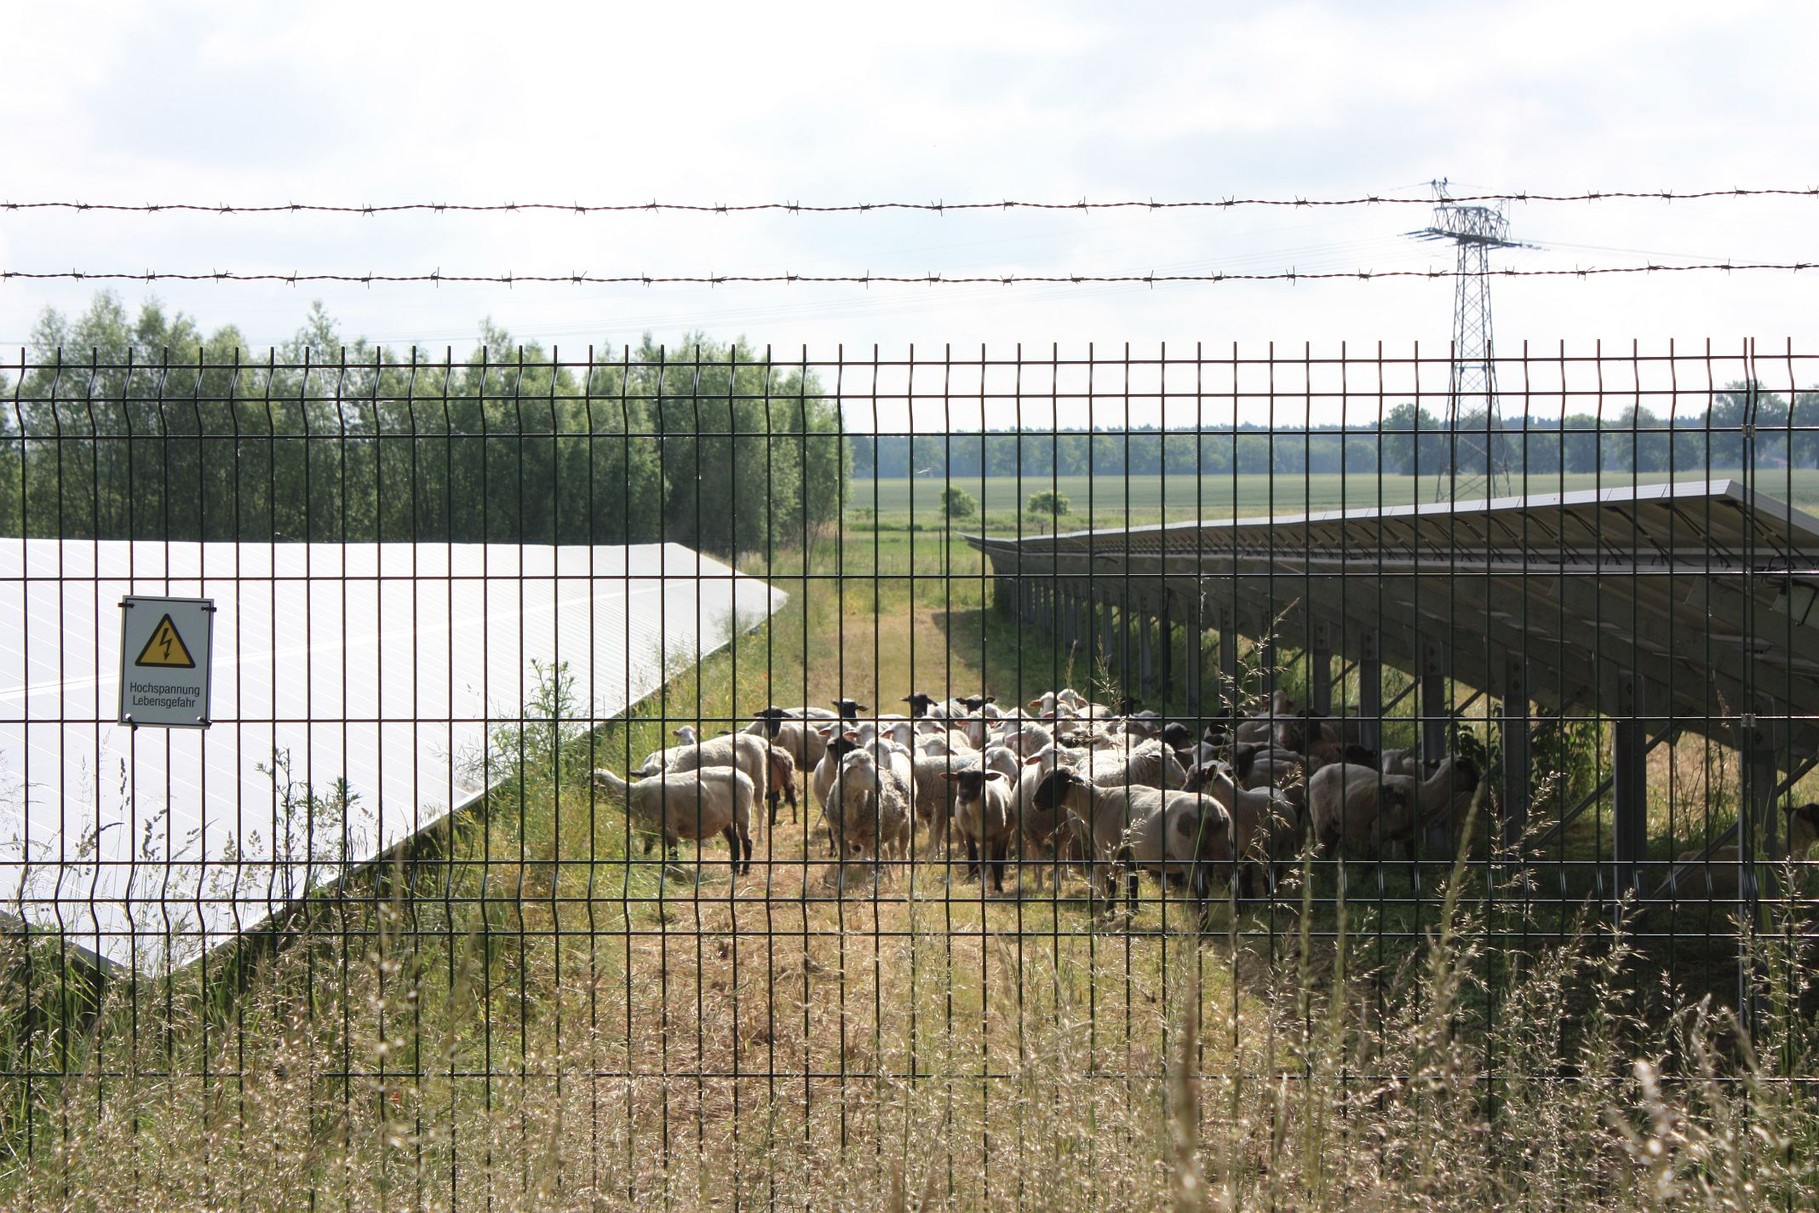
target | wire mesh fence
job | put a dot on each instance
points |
(722, 778)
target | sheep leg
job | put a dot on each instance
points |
(795, 812)
(973, 867)
(999, 850)
(732, 849)
(770, 798)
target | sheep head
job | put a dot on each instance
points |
(920, 702)
(970, 785)
(1052, 793)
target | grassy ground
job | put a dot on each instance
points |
(1140, 500)
(548, 1018)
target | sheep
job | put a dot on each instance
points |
(742, 750)
(945, 742)
(780, 781)
(1266, 825)
(982, 816)
(1348, 803)
(1172, 834)
(799, 736)
(1398, 762)
(1027, 739)
(1069, 704)
(1148, 763)
(1259, 727)
(691, 804)
(870, 812)
(821, 779)
(924, 705)
(934, 798)
(1715, 875)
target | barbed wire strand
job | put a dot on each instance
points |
(587, 279)
(937, 207)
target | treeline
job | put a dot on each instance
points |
(147, 428)
(1407, 442)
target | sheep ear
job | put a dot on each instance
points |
(994, 774)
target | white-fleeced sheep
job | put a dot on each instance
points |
(1173, 834)
(741, 751)
(934, 794)
(1259, 727)
(1358, 807)
(798, 735)
(1266, 825)
(1350, 804)
(870, 812)
(691, 804)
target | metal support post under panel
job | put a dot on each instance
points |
(1108, 651)
(1126, 644)
(1145, 653)
(1436, 709)
(1192, 655)
(1370, 693)
(1266, 663)
(1228, 662)
(1165, 656)
(1515, 791)
(1321, 676)
(1629, 789)
(1761, 777)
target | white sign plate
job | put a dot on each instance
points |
(164, 661)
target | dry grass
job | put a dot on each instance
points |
(554, 1021)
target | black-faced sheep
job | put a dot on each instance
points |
(984, 820)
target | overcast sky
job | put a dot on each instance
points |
(355, 103)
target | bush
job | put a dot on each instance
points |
(957, 503)
(1051, 502)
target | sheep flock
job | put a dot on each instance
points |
(1060, 786)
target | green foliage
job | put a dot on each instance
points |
(1051, 502)
(148, 428)
(957, 503)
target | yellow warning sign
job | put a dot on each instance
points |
(166, 648)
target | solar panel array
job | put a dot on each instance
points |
(1694, 596)
(354, 688)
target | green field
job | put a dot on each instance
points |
(1136, 500)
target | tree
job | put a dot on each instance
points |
(957, 503)
(150, 429)
(1048, 502)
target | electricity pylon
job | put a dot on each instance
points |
(1475, 455)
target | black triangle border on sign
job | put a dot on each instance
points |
(166, 665)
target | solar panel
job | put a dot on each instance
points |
(1687, 589)
(354, 687)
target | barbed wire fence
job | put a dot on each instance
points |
(395, 930)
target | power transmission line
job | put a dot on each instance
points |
(937, 207)
(929, 279)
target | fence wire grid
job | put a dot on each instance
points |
(938, 780)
